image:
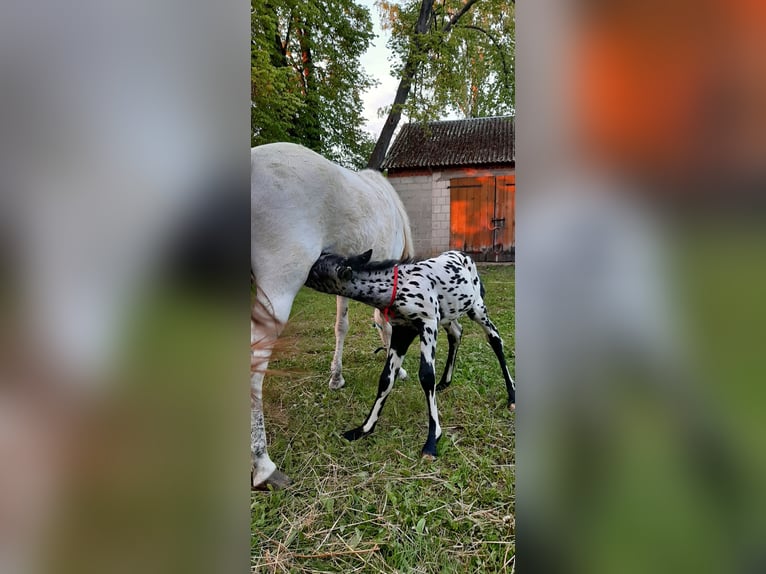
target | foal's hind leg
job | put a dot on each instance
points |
(427, 355)
(454, 334)
(479, 314)
(384, 328)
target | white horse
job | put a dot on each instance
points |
(300, 205)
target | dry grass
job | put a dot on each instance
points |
(375, 505)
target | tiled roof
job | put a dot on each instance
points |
(474, 141)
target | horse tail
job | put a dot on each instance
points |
(408, 252)
(384, 185)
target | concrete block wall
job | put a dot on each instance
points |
(415, 192)
(441, 213)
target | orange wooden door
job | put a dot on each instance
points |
(471, 207)
(505, 213)
(482, 216)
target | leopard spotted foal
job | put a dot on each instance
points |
(417, 297)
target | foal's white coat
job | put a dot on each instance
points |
(302, 204)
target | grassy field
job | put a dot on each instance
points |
(374, 505)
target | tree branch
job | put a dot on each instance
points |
(498, 47)
(425, 18)
(459, 14)
(287, 36)
(279, 57)
(405, 84)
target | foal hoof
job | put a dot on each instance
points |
(402, 375)
(276, 481)
(429, 450)
(441, 386)
(511, 406)
(355, 434)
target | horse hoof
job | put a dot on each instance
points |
(336, 383)
(354, 434)
(430, 457)
(441, 386)
(402, 374)
(512, 406)
(276, 481)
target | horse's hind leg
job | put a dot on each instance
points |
(264, 471)
(384, 328)
(454, 334)
(265, 327)
(341, 328)
(479, 314)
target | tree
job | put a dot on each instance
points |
(306, 77)
(454, 56)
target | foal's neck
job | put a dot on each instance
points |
(370, 287)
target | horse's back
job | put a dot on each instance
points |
(286, 172)
(297, 186)
(339, 208)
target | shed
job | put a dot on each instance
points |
(457, 180)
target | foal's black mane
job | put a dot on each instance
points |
(382, 265)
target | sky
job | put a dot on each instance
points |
(375, 62)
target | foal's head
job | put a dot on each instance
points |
(330, 270)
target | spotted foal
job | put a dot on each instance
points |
(416, 298)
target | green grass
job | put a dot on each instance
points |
(374, 505)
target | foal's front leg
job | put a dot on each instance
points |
(384, 328)
(427, 381)
(401, 338)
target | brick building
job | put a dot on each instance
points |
(457, 180)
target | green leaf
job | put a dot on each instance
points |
(291, 536)
(355, 539)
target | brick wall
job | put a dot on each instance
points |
(441, 214)
(415, 192)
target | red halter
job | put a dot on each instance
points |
(387, 309)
